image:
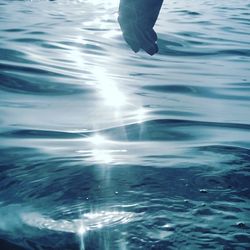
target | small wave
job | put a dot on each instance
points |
(202, 91)
(32, 133)
(187, 12)
(14, 30)
(193, 52)
(17, 84)
(11, 55)
(157, 130)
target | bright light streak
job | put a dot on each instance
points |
(109, 90)
(81, 230)
(97, 139)
(140, 115)
(102, 155)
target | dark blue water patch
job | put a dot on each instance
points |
(195, 42)
(233, 186)
(20, 84)
(28, 40)
(242, 20)
(93, 47)
(96, 29)
(187, 12)
(7, 104)
(171, 43)
(14, 30)
(25, 11)
(185, 89)
(133, 132)
(169, 129)
(191, 34)
(59, 17)
(5, 245)
(135, 74)
(188, 182)
(241, 85)
(29, 133)
(12, 55)
(27, 69)
(199, 91)
(222, 40)
(166, 196)
(37, 33)
(242, 152)
(164, 50)
(204, 22)
(175, 113)
(191, 38)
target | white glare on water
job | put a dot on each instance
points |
(97, 139)
(109, 90)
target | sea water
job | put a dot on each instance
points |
(102, 148)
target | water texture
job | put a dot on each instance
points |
(102, 148)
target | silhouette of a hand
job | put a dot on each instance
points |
(137, 19)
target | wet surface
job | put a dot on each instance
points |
(102, 148)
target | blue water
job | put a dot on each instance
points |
(102, 148)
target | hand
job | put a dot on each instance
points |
(137, 19)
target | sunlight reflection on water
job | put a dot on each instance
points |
(88, 221)
(112, 95)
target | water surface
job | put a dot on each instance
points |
(102, 148)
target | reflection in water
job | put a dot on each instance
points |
(102, 156)
(82, 230)
(140, 115)
(103, 150)
(100, 153)
(97, 139)
(81, 233)
(87, 222)
(108, 89)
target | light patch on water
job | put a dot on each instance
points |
(107, 4)
(87, 222)
(106, 156)
(140, 115)
(97, 139)
(82, 230)
(108, 88)
(159, 234)
(103, 150)
(102, 155)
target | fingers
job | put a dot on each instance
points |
(136, 19)
(139, 38)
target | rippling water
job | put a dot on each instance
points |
(102, 148)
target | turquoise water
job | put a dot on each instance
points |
(102, 148)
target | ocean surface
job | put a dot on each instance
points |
(102, 148)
